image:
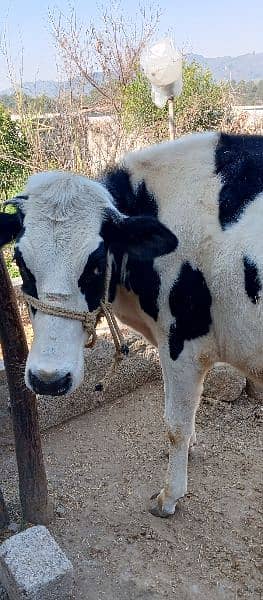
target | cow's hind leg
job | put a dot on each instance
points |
(183, 381)
(254, 390)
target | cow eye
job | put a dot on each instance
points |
(96, 271)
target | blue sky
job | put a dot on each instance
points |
(208, 27)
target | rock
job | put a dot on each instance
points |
(224, 383)
(60, 511)
(33, 567)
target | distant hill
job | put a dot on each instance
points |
(247, 67)
(51, 88)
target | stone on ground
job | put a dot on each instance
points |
(33, 567)
(224, 383)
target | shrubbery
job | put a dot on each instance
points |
(14, 154)
(201, 105)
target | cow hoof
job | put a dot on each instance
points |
(156, 510)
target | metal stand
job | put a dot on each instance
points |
(171, 123)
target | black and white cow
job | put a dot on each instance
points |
(178, 228)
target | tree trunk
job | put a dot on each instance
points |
(4, 517)
(31, 470)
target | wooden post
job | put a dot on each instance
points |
(171, 118)
(31, 470)
(4, 517)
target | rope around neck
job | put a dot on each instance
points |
(89, 322)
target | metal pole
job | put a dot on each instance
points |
(30, 463)
(171, 118)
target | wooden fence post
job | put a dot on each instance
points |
(31, 469)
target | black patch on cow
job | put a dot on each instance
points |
(29, 281)
(92, 280)
(239, 161)
(253, 284)
(129, 201)
(140, 277)
(190, 301)
(144, 281)
(117, 258)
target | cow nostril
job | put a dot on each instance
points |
(55, 386)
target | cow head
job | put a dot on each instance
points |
(65, 229)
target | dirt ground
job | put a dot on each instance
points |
(104, 466)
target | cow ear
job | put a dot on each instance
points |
(10, 226)
(143, 238)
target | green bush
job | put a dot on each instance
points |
(201, 105)
(138, 109)
(14, 153)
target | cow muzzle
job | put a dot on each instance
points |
(49, 383)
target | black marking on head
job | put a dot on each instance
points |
(239, 161)
(190, 301)
(253, 284)
(92, 280)
(131, 202)
(29, 281)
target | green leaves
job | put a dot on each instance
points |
(200, 106)
(14, 152)
(138, 109)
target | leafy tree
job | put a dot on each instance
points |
(138, 109)
(200, 106)
(248, 92)
(8, 101)
(14, 152)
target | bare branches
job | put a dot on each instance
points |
(112, 49)
(96, 63)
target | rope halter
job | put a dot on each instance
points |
(89, 321)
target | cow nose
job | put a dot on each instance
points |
(49, 384)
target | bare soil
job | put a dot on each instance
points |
(104, 466)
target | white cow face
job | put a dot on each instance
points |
(62, 259)
(64, 228)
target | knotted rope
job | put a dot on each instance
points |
(89, 322)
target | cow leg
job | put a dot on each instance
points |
(183, 382)
(254, 390)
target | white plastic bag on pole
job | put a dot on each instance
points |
(162, 65)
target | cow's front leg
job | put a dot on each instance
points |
(183, 381)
